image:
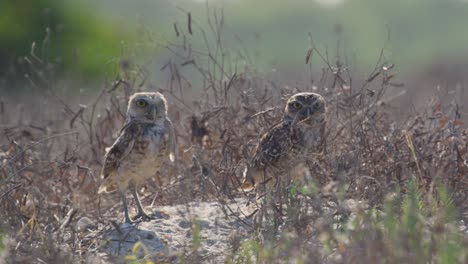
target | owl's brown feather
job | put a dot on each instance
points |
(121, 148)
(131, 145)
(289, 143)
(272, 146)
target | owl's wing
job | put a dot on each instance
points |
(122, 146)
(272, 146)
(172, 140)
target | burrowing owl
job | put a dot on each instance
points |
(300, 132)
(145, 142)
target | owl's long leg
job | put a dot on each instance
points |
(124, 200)
(141, 212)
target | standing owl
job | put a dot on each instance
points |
(300, 133)
(144, 143)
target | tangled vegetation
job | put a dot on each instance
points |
(384, 190)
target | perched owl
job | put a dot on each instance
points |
(300, 133)
(146, 140)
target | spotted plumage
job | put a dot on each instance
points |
(144, 143)
(299, 133)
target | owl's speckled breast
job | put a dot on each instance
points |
(306, 138)
(148, 154)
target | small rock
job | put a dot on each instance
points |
(203, 224)
(185, 224)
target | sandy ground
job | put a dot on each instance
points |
(171, 234)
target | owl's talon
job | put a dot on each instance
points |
(143, 216)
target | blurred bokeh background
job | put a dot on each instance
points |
(85, 40)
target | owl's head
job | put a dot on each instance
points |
(147, 107)
(308, 108)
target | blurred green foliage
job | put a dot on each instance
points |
(67, 37)
(409, 227)
(414, 33)
(2, 243)
(85, 36)
(419, 32)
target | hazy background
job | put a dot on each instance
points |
(84, 40)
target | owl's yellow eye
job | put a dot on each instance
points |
(141, 103)
(296, 105)
(317, 106)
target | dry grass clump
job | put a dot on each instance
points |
(50, 167)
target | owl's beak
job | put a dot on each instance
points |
(153, 112)
(309, 112)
